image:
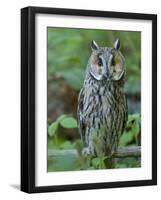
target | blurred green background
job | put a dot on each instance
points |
(68, 53)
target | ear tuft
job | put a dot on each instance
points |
(94, 45)
(117, 44)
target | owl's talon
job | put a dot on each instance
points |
(86, 151)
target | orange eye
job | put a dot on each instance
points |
(99, 61)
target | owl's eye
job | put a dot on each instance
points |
(99, 61)
(113, 61)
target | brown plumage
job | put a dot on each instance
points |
(102, 106)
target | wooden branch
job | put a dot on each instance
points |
(122, 152)
(57, 152)
(133, 151)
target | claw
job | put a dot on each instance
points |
(86, 152)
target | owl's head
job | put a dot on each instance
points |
(106, 63)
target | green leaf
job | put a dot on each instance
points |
(69, 122)
(53, 128)
(133, 117)
(96, 162)
(61, 117)
(126, 138)
(135, 129)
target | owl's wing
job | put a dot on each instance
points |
(125, 114)
(81, 120)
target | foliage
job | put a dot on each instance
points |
(132, 131)
(65, 121)
(71, 162)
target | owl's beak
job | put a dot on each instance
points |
(106, 76)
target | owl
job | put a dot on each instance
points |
(102, 106)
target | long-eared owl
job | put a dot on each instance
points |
(102, 106)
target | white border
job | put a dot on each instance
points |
(77, 177)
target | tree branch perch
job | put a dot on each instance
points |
(122, 152)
